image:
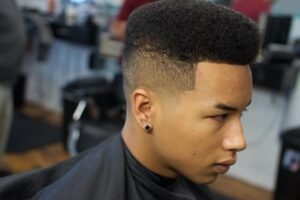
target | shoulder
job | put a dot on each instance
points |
(61, 177)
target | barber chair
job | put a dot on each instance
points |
(297, 48)
(288, 171)
(276, 71)
(97, 116)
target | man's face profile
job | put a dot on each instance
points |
(198, 132)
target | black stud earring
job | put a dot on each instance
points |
(147, 128)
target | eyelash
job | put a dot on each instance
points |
(223, 117)
(220, 117)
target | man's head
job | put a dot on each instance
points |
(186, 75)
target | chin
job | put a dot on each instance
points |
(204, 180)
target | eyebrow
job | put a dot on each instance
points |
(228, 108)
(225, 107)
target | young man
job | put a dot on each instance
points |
(187, 82)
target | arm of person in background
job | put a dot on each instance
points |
(117, 29)
(118, 24)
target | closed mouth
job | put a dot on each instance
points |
(223, 167)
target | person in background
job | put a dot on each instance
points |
(187, 83)
(12, 46)
(252, 8)
(118, 25)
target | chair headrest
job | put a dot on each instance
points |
(279, 54)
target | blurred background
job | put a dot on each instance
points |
(68, 96)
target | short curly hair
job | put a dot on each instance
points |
(166, 39)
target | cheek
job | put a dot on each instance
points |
(186, 140)
(174, 135)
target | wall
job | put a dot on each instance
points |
(295, 28)
(286, 7)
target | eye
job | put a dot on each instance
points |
(220, 118)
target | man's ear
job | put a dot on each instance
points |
(142, 106)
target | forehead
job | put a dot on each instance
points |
(223, 83)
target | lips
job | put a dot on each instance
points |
(223, 167)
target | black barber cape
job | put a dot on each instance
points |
(105, 172)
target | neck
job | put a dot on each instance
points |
(140, 145)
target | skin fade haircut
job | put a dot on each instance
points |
(165, 40)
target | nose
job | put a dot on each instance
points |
(234, 139)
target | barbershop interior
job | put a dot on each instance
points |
(68, 94)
